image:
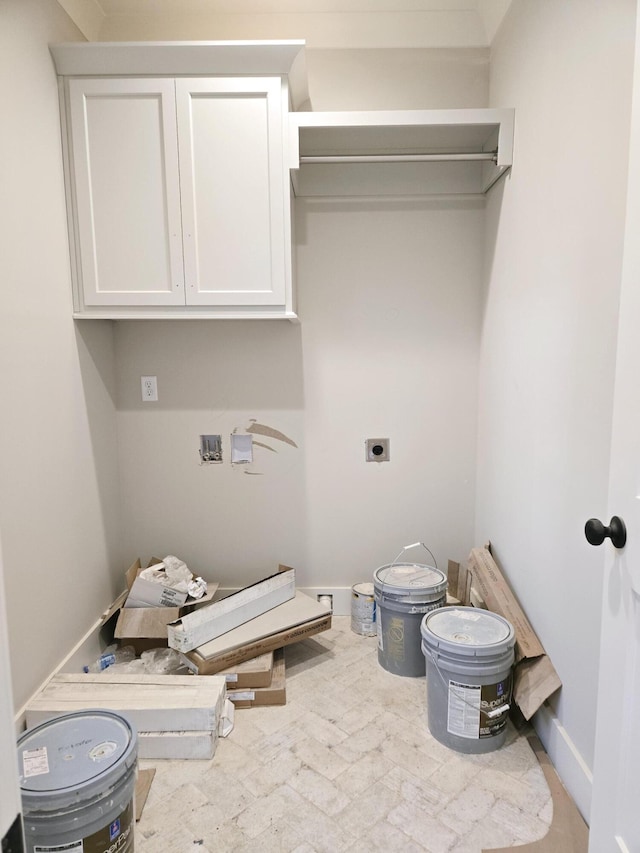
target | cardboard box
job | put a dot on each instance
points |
(177, 745)
(153, 703)
(146, 627)
(146, 593)
(253, 673)
(273, 694)
(481, 583)
(220, 617)
(289, 623)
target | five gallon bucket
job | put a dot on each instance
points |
(77, 779)
(363, 610)
(404, 592)
(469, 656)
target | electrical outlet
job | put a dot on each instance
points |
(149, 389)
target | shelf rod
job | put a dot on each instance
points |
(397, 158)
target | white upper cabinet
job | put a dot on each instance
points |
(182, 160)
(127, 193)
(230, 136)
(177, 184)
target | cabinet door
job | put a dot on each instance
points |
(127, 197)
(232, 189)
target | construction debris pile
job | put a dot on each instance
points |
(180, 663)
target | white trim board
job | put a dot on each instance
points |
(569, 764)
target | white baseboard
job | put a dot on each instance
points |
(84, 652)
(340, 595)
(565, 757)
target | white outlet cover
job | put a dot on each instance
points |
(241, 448)
(149, 387)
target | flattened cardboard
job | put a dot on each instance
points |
(147, 622)
(143, 786)
(568, 831)
(535, 678)
(289, 623)
(274, 694)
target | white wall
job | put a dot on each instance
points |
(10, 806)
(393, 79)
(58, 502)
(554, 241)
(324, 25)
(387, 347)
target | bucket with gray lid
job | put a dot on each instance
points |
(404, 592)
(77, 781)
(469, 655)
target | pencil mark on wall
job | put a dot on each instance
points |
(262, 429)
(266, 446)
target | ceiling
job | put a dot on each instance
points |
(324, 24)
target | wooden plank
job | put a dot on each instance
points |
(219, 617)
(535, 677)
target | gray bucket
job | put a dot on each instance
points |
(469, 656)
(404, 592)
(363, 610)
(77, 780)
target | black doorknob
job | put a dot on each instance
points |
(596, 532)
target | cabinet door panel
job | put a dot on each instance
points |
(127, 191)
(231, 168)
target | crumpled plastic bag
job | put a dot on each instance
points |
(163, 662)
(130, 667)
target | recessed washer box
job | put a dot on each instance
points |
(377, 449)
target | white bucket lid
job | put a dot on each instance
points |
(467, 631)
(409, 579)
(74, 758)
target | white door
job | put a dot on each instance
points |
(233, 189)
(615, 810)
(127, 194)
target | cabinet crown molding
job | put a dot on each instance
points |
(285, 58)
